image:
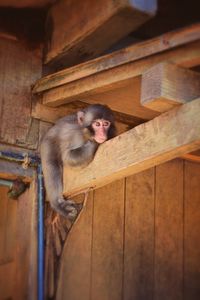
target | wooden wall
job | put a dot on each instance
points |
(18, 246)
(138, 239)
(20, 67)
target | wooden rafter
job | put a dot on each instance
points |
(170, 135)
(78, 30)
(130, 54)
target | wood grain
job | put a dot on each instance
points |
(84, 29)
(107, 247)
(191, 231)
(75, 268)
(130, 54)
(166, 85)
(147, 145)
(20, 68)
(169, 231)
(139, 237)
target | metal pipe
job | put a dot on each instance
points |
(6, 183)
(40, 233)
(34, 161)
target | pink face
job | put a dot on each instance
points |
(101, 127)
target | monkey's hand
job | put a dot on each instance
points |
(68, 208)
(87, 135)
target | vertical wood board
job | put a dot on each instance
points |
(139, 236)
(107, 246)
(169, 231)
(75, 276)
(192, 231)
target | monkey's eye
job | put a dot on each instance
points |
(96, 123)
(106, 123)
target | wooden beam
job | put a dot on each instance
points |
(52, 114)
(130, 54)
(188, 56)
(12, 171)
(168, 136)
(166, 85)
(191, 157)
(79, 30)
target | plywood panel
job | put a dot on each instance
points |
(8, 210)
(26, 245)
(74, 278)
(20, 68)
(192, 232)
(18, 246)
(139, 236)
(107, 247)
(169, 231)
(7, 280)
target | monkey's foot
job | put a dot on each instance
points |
(69, 209)
(55, 221)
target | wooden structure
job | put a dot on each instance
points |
(137, 236)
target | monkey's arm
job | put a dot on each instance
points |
(81, 155)
(52, 170)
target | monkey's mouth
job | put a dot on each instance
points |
(100, 140)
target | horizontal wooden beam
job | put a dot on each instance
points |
(78, 30)
(166, 85)
(52, 114)
(186, 56)
(12, 171)
(130, 54)
(169, 135)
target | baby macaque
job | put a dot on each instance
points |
(73, 141)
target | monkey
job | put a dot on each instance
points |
(73, 141)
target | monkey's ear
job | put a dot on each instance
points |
(80, 117)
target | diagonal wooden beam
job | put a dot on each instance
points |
(167, 136)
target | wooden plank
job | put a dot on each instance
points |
(130, 54)
(52, 114)
(147, 145)
(12, 171)
(3, 218)
(25, 3)
(169, 231)
(11, 228)
(84, 29)
(7, 280)
(191, 157)
(185, 56)
(20, 68)
(75, 266)
(139, 236)
(26, 245)
(107, 246)
(192, 232)
(124, 99)
(166, 85)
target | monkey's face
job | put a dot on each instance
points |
(100, 128)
